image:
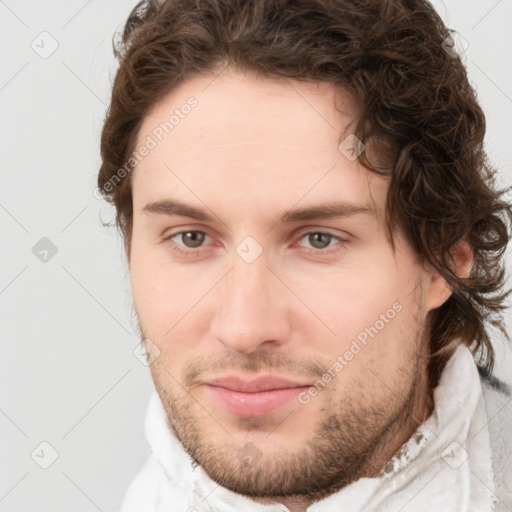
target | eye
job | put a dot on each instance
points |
(191, 239)
(184, 242)
(320, 240)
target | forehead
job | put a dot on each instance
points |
(249, 140)
(246, 107)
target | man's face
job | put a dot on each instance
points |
(247, 293)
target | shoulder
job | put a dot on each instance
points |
(492, 382)
(498, 404)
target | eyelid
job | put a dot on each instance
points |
(319, 229)
(302, 229)
(168, 233)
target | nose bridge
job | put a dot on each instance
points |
(247, 290)
(249, 312)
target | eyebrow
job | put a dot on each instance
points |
(321, 211)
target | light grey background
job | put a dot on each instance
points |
(68, 373)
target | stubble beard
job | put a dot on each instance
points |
(350, 441)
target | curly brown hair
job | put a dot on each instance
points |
(415, 101)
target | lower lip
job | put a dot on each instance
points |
(253, 404)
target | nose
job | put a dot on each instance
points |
(252, 310)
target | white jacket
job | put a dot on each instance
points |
(458, 460)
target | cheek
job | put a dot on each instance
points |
(367, 316)
(154, 290)
(351, 299)
(168, 306)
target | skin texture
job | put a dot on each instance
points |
(250, 150)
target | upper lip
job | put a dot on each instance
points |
(263, 383)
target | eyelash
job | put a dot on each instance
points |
(176, 248)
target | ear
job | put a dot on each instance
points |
(438, 291)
